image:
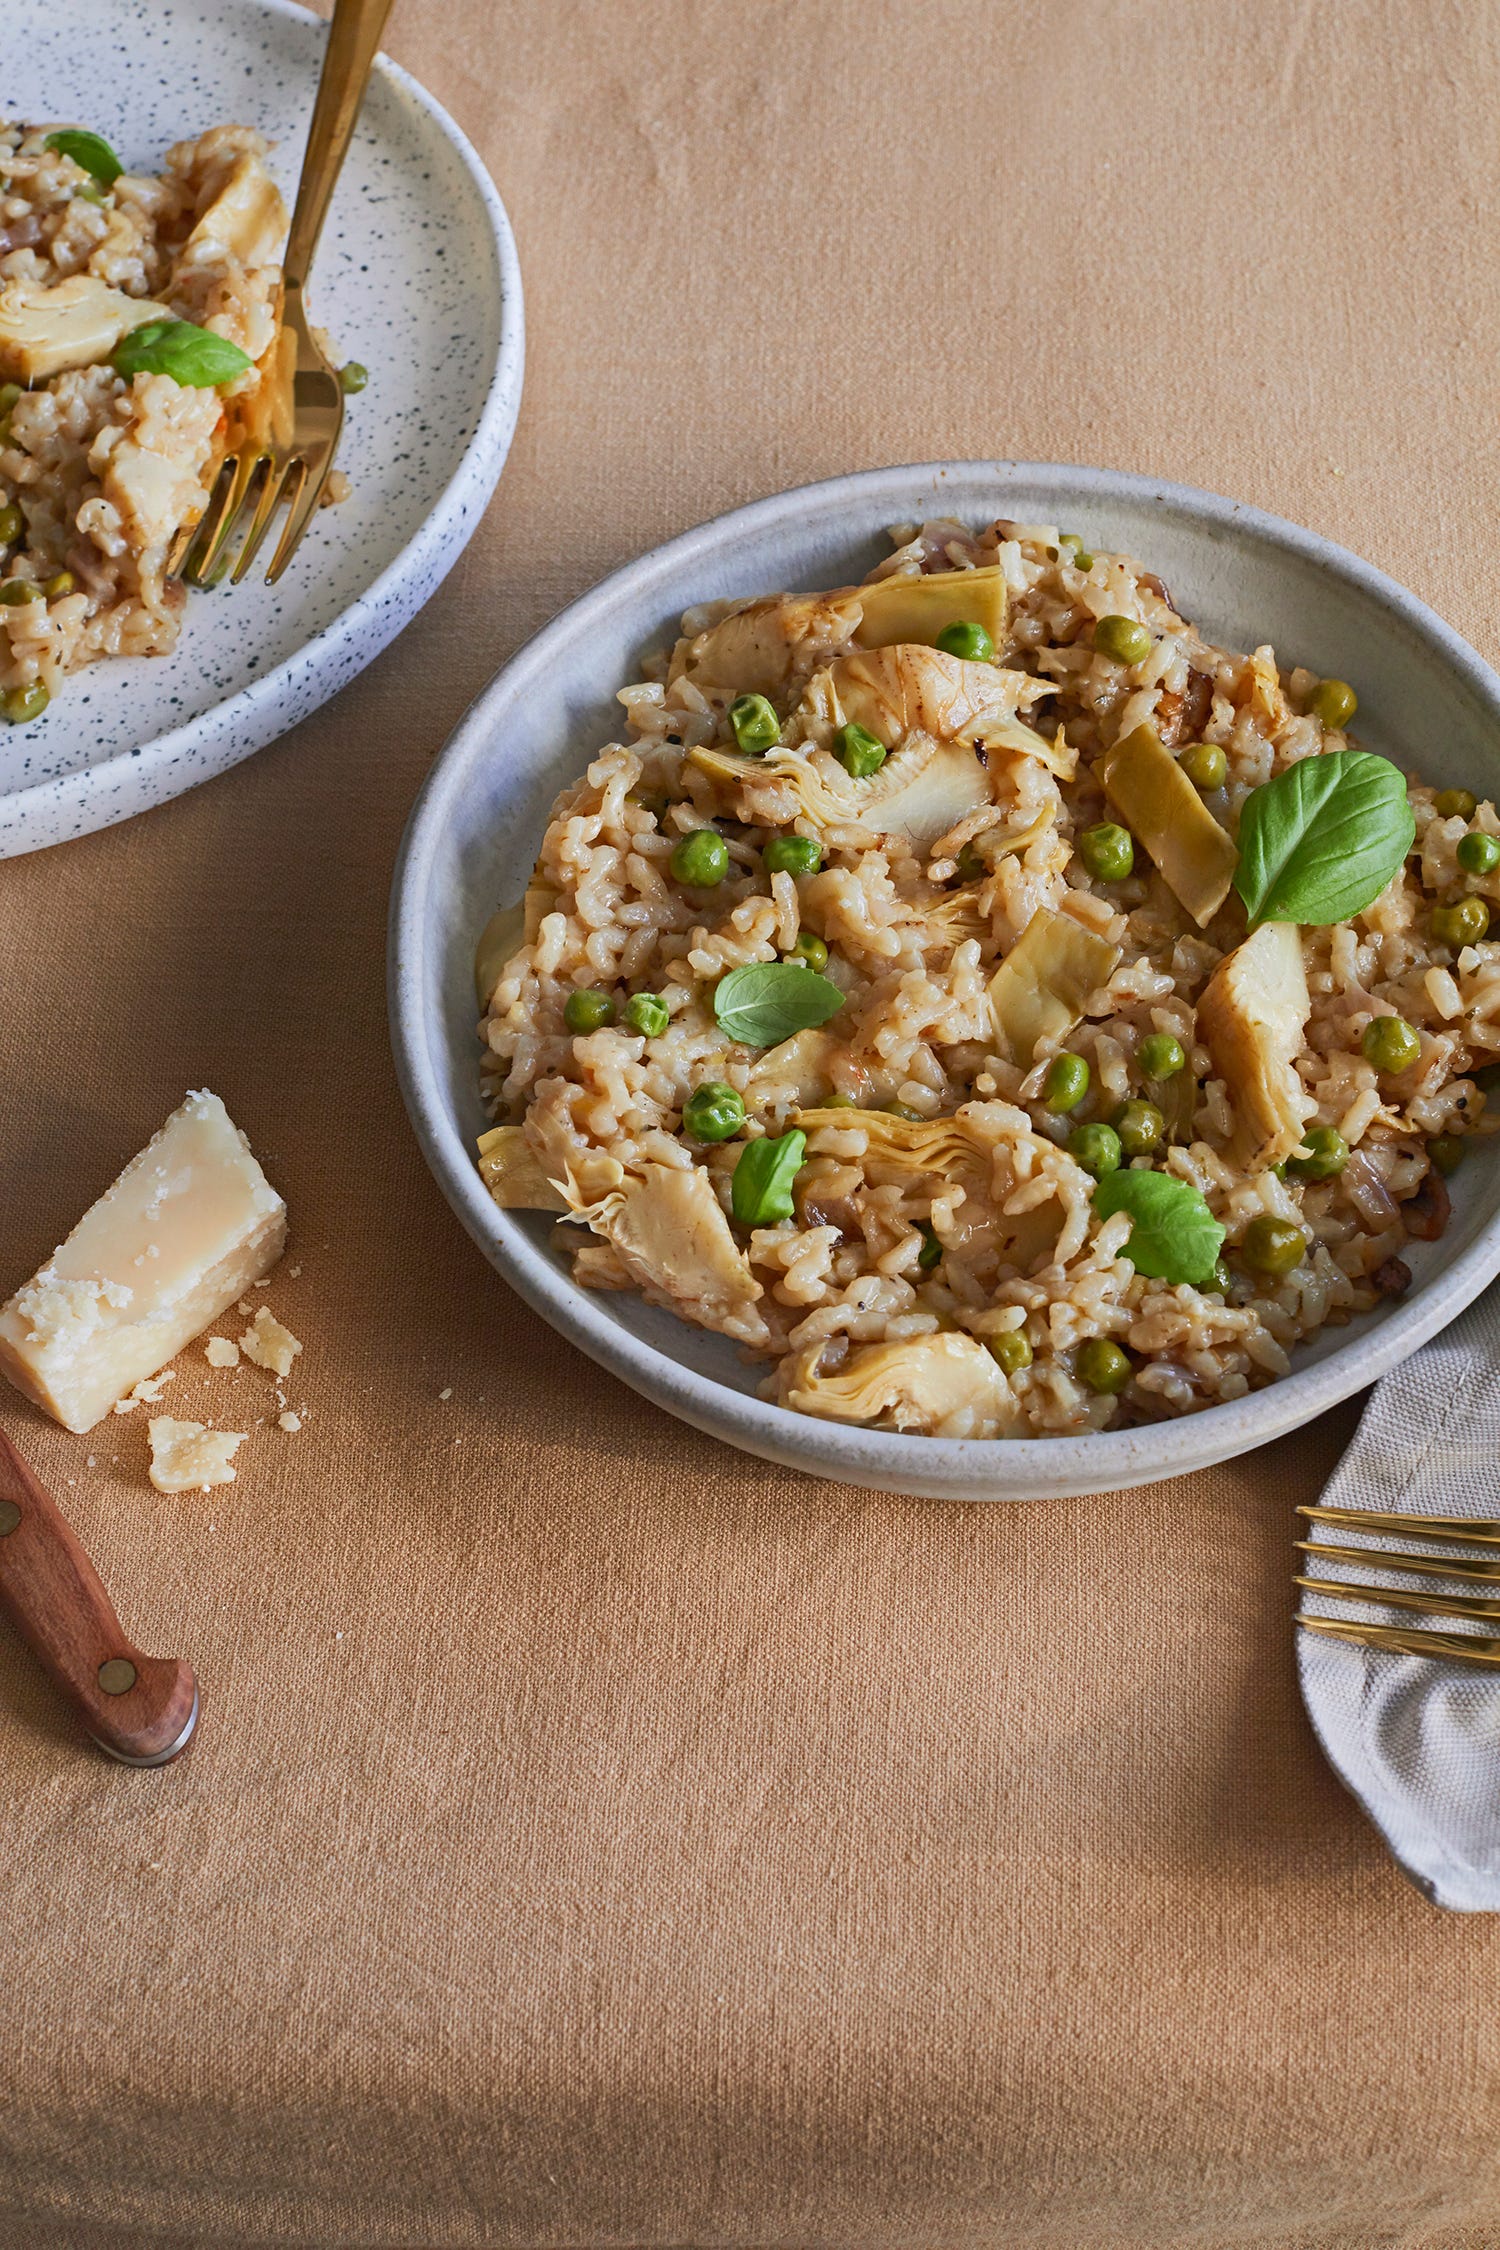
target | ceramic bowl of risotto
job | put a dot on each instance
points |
(972, 979)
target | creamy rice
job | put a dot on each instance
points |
(104, 470)
(950, 1281)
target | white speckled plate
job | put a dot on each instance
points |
(1425, 697)
(416, 277)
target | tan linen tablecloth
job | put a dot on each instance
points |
(596, 1837)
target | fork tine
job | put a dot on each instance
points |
(1407, 1640)
(272, 493)
(299, 516)
(214, 552)
(1481, 1531)
(1482, 1606)
(200, 535)
(1387, 1558)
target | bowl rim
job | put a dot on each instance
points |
(253, 716)
(945, 1468)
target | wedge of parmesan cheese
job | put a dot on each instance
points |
(188, 1456)
(186, 1229)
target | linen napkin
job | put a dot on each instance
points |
(1417, 1738)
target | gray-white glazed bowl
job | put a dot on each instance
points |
(1425, 698)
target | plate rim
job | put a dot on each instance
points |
(1034, 1468)
(424, 561)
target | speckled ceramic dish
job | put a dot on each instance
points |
(1425, 699)
(416, 277)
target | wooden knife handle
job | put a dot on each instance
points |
(141, 1709)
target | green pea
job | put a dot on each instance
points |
(1107, 851)
(1322, 1156)
(1079, 556)
(588, 1011)
(967, 639)
(1205, 765)
(931, 1252)
(20, 704)
(754, 724)
(1272, 1246)
(792, 855)
(971, 868)
(1221, 1278)
(860, 752)
(713, 1112)
(57, 587)
(1461, 804)
(1390, 1044)
(1096, 1148)
(807, 946)
(1478, 853)
(841, 1101)
(1160, 1056)
(1462, 922)
(901, 1109)
(1102, 1367)
(353, 377)
(9, 393)
(1140, 1126)
(1066, 1083)
(1446, 1152)
(701, 859)
(12, 523)
(1127, 641)
(648, 1013)
(17, 591)
(1009, 1350)
(1333, 704)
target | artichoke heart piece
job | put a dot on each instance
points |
(920, 793)
(512, 1171)
(1252, 1017)
(1195, 856)
(905, 689)
(668, 1231)
(247, 217)
(919, 1383)
(76, 323)
(799, 1068)
(504, 934)
(955, 1150)
(1045, 982)
(761, 646)
(909, 607)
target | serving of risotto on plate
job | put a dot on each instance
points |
(135, 312)
(998, 1009)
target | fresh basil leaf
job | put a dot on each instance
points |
(1175, 1237)
(1324, 838)
(88, 150)
(766, 1002)
(194, 357)
(761, 1190)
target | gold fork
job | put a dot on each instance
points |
(1410, 1640)
(293, 425)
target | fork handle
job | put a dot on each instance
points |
(353, 40)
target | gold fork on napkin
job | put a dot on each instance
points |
(1469, 1648)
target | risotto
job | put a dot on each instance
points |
(134, 309)
(999, 1010)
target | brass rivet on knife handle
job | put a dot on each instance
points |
(53, 1596)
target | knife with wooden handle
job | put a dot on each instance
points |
(141, 1710)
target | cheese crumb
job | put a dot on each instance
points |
(268, 1344)
(289, 1422)
(147, 1392)
(221, 1351)
(187, 1457)
(445, 1394)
